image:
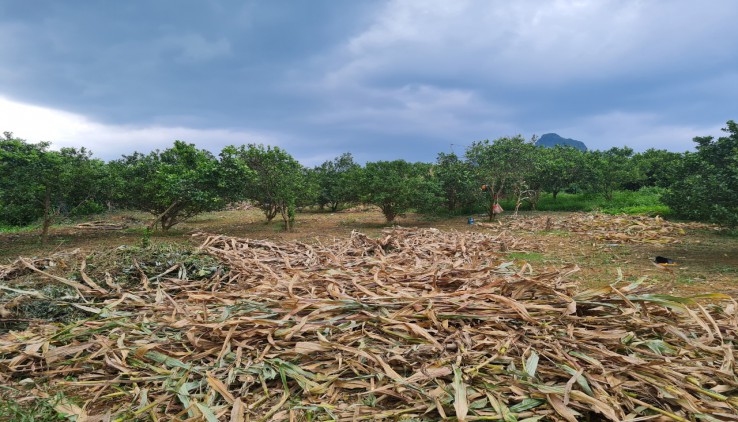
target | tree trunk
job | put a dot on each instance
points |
(451, 204)
(389, 213)
(270, 211)
(167, 221)
(161, 217)
(286, 217)
(534, 198)
(47, 215)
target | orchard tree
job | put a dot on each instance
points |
(279, 181)
(307, 195)
(708, 184)
(85, 178)
(557, 168)
(501, 166)
(175, 184)
(398, 186)
(23, 180)
(335, 181)
(657, 167)
(609, 171)
(456, 179)
(36, 182)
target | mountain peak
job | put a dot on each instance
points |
(549, 140)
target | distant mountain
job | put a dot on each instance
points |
(550, 139)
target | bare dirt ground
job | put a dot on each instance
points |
(605, 248)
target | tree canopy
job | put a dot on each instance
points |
(336, 181)
(175, 184)
(708, 184)
(278, 182)
(36, 182)
(398, 186)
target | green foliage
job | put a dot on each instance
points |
(39, 410)
(36, 182)
(146, 238)
(456, 179)
(526, 256)
(502, 166)
(398, 186)
(336, 182)
(174, 184)
(307, 195)
(279, 182)
(707, 187)
(557, 168)
(657, 167)
(609, 171)
(15, 229)
(87, 207)
(22, 181)
(182, 181)
(125, 264)
(646, 201)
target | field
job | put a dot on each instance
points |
(709, 259)
(543, 316)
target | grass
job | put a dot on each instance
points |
(38, 410)
(527, 256)
(17, 229)
(646, 201)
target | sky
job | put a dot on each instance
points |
(382, 79)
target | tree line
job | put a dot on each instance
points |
(40, 184)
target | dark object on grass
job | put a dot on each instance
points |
(665, 261)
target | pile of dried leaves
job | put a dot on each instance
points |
(416, 325)
(101, 225)
(606, 227)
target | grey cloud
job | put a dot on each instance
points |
(390, 79)
(195, 47)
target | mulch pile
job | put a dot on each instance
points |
(101, 225)
(415, 325)
(605, 227)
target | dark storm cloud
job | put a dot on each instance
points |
(122, 63)
(384, 80)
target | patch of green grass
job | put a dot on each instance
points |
(690, 279)
(561, 233)
(527, 256)
(645, 201)
(17, 229)
(38, 410)
(726, 269)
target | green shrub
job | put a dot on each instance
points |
(87, 207)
